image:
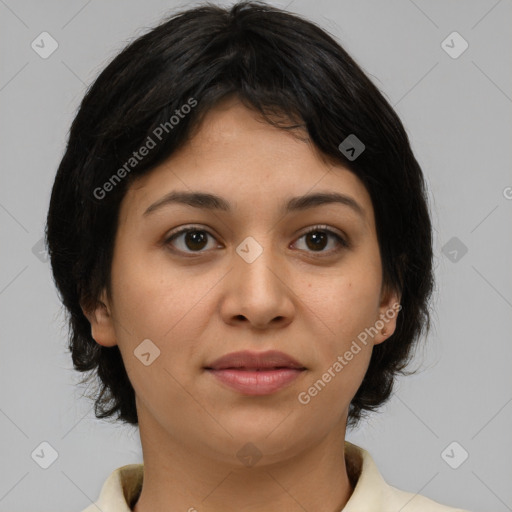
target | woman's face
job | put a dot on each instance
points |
(247, 277)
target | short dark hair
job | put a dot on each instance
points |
(296, 76)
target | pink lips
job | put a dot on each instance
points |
(256, 373)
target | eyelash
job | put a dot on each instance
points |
(320, 228)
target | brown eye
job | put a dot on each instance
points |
(317, 239)
(195, 240)
(189, 240)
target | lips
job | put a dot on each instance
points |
(255, 361)
(256, 373)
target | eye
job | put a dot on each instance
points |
(194, 239)
(191, 239)
(317, 238)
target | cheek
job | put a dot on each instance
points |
(335, 380)
(348, 305)
(153, 303)
(148, 296)
(352, 300)
(341, 357)
(161, 302)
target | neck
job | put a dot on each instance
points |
(192, 478)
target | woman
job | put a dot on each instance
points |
(240, 233)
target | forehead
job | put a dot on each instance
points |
(235, 154)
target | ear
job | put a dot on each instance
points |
(389, 309)
(102, 325)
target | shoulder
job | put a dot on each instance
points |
(120, 490)
(373, 493)
(410, 502)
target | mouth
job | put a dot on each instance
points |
(255, 361)
(254, 369)
(253, 373)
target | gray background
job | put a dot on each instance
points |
(457, 112)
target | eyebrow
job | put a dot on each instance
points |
(209, 201)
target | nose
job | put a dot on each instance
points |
(259, 292)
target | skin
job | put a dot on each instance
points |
(206, 301)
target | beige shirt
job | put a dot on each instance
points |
(371, 494)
